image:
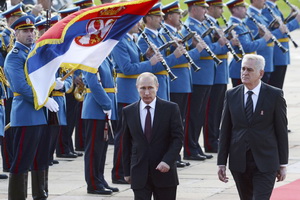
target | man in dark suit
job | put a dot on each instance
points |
(253, 133)
(152, 140)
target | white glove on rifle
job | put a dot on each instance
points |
(52, 105)
(108, 113)
(59, 84)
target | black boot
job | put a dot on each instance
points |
(38, 181)
(17, 187)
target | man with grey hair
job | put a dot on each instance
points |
(152, 139)
(253, 133)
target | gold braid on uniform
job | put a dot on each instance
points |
(11, 39)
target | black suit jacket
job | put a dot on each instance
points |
(140, 158)
(266, 133)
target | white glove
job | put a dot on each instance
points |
(52, 105)
(108, 113)
(59, 84)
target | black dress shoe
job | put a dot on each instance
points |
(55, 162)
(3, 176)
(69, 155)
(195, 157)
(207, 156)
(100, 191)
(114, 189)
(79, 154)
(119, 181)
(180, 164)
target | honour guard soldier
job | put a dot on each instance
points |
(217, 94)
(7, 40)
(152, 22)
(2, 113)
(64, 148)
(281, 60)
(99, 107)
(249, 43)
(182, 86)
(79, 125)
(27, 124)
(202, 81)
(129, 64)
(255, 12)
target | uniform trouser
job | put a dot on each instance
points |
(30, 150)
(53, 137)
(213, 116)
(79, 130)
(266, 77)
(236, 81)
(253, 184)
(65, 142)
(278, 75)
(195, 116)
(181, 100)
(7, 147)
(117, 170)
(95, 154)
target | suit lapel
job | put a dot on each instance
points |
(157, 117)
(260, 101)
(241, 101)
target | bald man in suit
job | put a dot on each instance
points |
(151, 147)
(254, 133)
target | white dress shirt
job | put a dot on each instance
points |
(255, 95)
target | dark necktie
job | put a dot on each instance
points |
(148, 128)
(249, 106)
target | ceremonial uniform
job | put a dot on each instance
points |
(129, 64)
(100, 97)
(281, 60)
(216, 98)
(28, 125)
(202, 83)
(7, 39)
(268, 51)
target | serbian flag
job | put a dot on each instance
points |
(82, 40)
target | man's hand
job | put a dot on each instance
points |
(222, 174)
(156, 58)
(201, 45)
(179, 51)
(37, 9)
(281, 174)
(52, 105)
(163, 167)
(127, 179)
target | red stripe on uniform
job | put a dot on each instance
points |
(21, 143)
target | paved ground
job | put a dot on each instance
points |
(198, 181)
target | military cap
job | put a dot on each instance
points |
(233, 3)
(172, 7)
(14, 11)
(54, 20)
(84, 3)
(68, 11)
(38, 19)
(41, 24)
(23, 22)
(196, 2)
(155, 10)
(215, 3)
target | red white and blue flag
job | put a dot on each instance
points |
(82, 40)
